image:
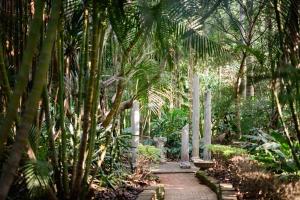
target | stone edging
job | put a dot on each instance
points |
(224, 191)
(152, 193)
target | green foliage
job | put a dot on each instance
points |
(37, 176)
(223, 110)
(149, 152)
(169, 125)
(254, 113)
(227, 151)
(271, 149)
(113, 179)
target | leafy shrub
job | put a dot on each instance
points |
(226, 151)
(255, 113)
(149, 152)
(271, 149)
(169, 125)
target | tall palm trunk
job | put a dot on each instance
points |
(82, 70)
(62, 116)
(22, 77)
(52, 151)
(238, 95)
(3, 75)
(88, 103)
(10, 166)
(95, 104)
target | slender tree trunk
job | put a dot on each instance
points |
(238, 96)
(88, 104)
(52, 150)
(10, 166)
(116, 104)
(196, 117)
(60, 52)
(22, 77)
(243, 77)
(286, 131)
(82, 70)
(3, 75)
(94, 113)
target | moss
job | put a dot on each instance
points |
(210, 182)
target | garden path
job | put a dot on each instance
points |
(181, 184)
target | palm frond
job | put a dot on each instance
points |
(37, 176)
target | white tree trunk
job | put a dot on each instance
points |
(207, 125)
(196, 117)
(243, 88)
(135, 127)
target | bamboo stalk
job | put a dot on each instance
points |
(62, 116)
(3, 75)
(83, 68)
(94, 113)
(10, 166)
(88, 104)
(22, 77)
(52, 152)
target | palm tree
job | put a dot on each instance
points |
(10, 166)
(113, 37)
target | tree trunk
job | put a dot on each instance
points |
(22, 77)
(52, 150)
(60, 51)
(83, 68)
(238, 96)
(10, 166)
(88, 103)
(94, 115)
(3, 75)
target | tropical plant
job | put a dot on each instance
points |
(272, 149)
(169, 125)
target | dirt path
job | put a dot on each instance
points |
(185, 186)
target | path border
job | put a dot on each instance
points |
(156, 192)
(224, 191)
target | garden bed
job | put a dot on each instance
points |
(252, 181)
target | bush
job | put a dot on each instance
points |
(272, 149)
(148, 152)
(226, 151)
(147, 156)
(255, 113)
(169, 125)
